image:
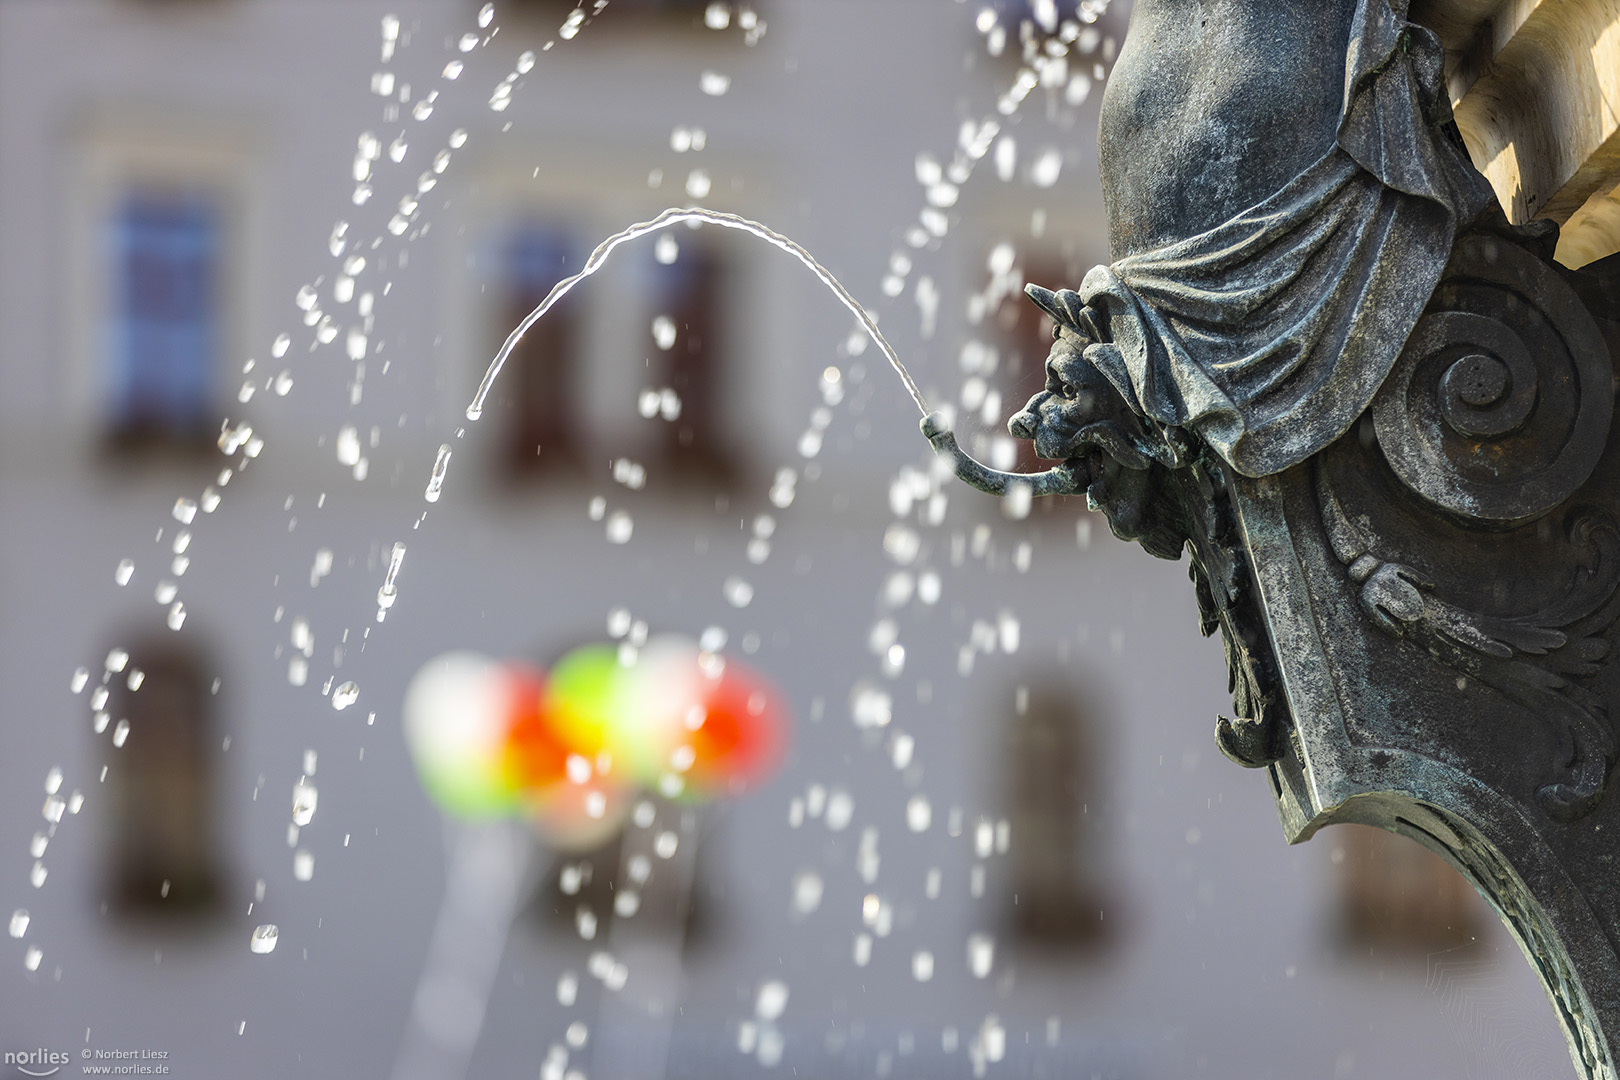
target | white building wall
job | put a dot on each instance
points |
(1224, 963)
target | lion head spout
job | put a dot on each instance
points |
(1080, 418)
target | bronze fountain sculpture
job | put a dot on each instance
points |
(1378, 417)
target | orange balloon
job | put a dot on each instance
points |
(742, 735)
(536, 757)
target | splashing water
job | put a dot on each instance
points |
(442, 462)
(674, 216)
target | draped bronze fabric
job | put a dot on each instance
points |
(1269, 334)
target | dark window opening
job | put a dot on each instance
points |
(1057, 860)
(585, 894)
(1398, 896)
(687, 361)
(540, 386)
(162, 828)
(166, 249)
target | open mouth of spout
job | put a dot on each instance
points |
(1070, 477)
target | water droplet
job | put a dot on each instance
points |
(919, 814)
(53, 780)
(125, 571)
(698, 184)
(81, 676)
(436, 479)
(713, 83)
(32, 957)
(303, 865)
(348, 445)
(807, 891)
(771, 1000)
(298, 671)
(486, 15)
(305, 798)
(468, 42)
(585, 923)
(525, 62)
(840, 810)
(981, 954)
(1008, 631)
(738, 593)
(452, 70)
(717, 16)
(264, 938)
(19, 922)
(863, 949)
(184, 511)
(567, 988)
(666, 250)
(571, 25)
(870, 706)
(663, 332)
(37, 875)
(345, 695)
(53, 809)
(619, 527)
(922, 965)
(1044, 173)
(666, 843)
(121, 733)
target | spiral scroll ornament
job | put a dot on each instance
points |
(1499, 406)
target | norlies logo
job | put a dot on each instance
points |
(36, 1062)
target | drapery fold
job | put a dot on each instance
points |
(1269, 334)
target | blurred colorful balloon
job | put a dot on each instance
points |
(458, 726)
(570, 750)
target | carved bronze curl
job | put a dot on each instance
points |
(1499, 406)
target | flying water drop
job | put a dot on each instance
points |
(738, 593)
(436, 480)
(305, 799)
(345, 695)
(981, 954)
(264, 938)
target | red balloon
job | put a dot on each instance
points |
(741, 738)
(536, 757)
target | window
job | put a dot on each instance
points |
(162, 823)
(165, 315)
(688, 361)
(1394, 893)
(541, 385)
(1053, 809)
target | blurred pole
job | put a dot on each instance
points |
(635, 1024)
(484, 872)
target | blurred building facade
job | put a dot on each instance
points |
(1009, 847)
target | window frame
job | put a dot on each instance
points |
(115, 154)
